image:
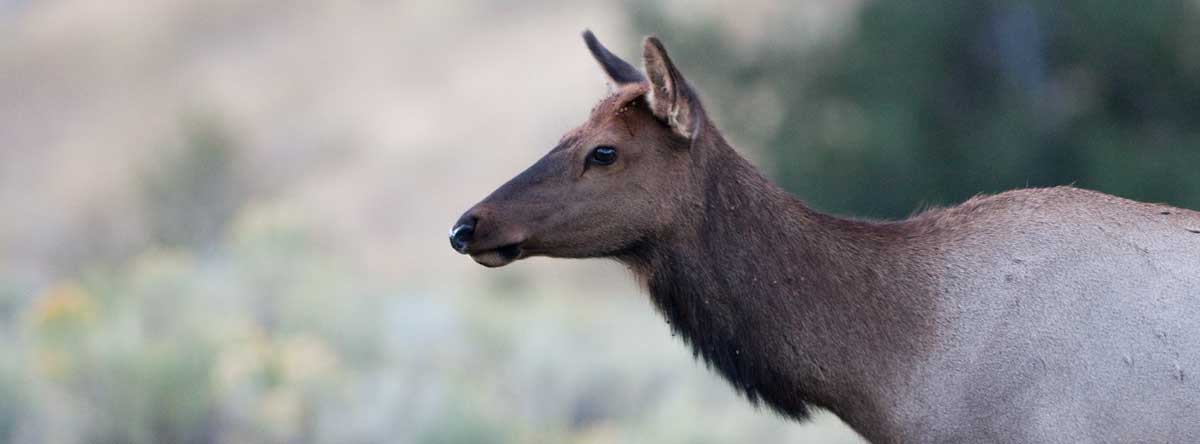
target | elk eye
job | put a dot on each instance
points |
(602, 155)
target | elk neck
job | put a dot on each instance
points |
(791, 306)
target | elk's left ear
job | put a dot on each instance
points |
(619, 71)
(670, 97)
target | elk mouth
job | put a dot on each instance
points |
(498, 257)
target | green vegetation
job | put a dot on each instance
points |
(930, 102)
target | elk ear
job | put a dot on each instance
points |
(619, 71)
(670, 97)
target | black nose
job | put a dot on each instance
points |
(460, 235)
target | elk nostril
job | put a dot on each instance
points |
(460, 235)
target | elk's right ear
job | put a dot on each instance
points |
(670, 97)
(619, 71)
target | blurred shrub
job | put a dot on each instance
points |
(194, 191)
(934, 101)
(13, 399)
(163, 350)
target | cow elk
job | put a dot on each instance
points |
(1035, 315)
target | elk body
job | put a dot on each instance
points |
(1036, 315)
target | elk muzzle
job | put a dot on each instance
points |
(490, 242)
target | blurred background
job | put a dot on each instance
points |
(224, 221)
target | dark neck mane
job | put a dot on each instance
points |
(788, 304)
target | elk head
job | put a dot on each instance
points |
(627, 175)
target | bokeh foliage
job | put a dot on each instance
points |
(236, 320)
(930, 102)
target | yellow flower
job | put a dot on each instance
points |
(59, 316)
(64, 304)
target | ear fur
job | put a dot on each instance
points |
(670, 97)
(619, 71)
